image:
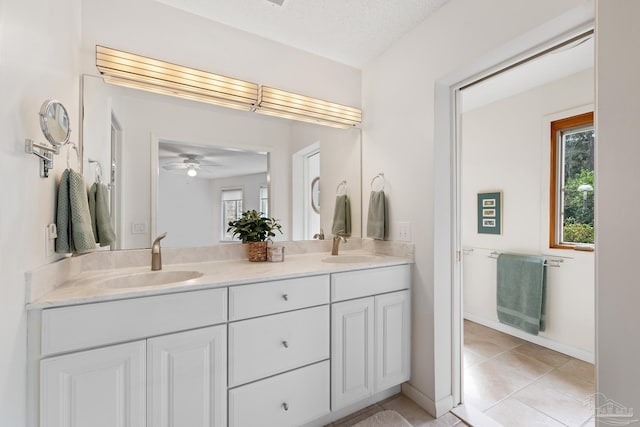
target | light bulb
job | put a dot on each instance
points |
(192, 171)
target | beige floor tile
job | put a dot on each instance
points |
(578, 368)
(488, 383)
(568, 384)
(525, 365)
(473, 328)
(482, 346)
(563, 408)
(501, 339)
(471, 358)
(512, 412)
(544, 355)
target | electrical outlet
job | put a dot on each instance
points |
(138, 228)
(50, 235)
(404, 231)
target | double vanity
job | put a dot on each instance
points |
(223, 343)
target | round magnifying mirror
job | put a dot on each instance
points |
(54, 122)
(315, 194)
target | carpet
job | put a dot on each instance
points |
(384, 419)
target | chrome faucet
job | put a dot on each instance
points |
(336, 243)
(156, 255)
(320, 235)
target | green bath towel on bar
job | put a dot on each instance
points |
(521, 290)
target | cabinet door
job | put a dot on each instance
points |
(393, 339)
(95, 388)
(351, 351)
(187, 374)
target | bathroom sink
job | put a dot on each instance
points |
(148, 278)
(350, 259)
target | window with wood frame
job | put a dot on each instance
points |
(571, 210)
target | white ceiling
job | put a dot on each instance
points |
(352, 32)
(556, 65)
(225, 162)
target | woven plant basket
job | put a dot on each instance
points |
(257, 251)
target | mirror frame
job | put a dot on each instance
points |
(50, 116)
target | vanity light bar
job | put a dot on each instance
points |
(277, 102)
(140, 72)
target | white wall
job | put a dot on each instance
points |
(153, 29)
(39, 46)
(506, 147)
(398, 136)
(617, 112)
(185, 210)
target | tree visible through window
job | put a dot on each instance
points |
(572, 181)
(231, 210)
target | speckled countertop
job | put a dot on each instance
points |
(89, 286)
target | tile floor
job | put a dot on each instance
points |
(404, 406)
(518, 383)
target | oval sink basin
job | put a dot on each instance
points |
(349, 259)
(149, 278)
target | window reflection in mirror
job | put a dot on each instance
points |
(144, 120)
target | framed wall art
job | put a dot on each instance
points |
(490, 213)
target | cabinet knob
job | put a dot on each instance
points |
(285, 297)
(285, 344)
(285, 406)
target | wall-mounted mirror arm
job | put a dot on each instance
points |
(54, 122)
(44, 153)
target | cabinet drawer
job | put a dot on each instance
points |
(275, 297)
(361, 283)
(273, 344)
(91, 325)
(290, 399)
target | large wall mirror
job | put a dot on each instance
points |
(185, 167)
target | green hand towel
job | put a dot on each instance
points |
(73, 217)
(521, 292)
(377, 216)
(342, 216)
(100, 218)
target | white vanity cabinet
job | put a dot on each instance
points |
(157, 377)
(284, 353)
(370, 335)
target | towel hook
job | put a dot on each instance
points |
(98, 170)
(342, 186)
(380, 176)
(75, 148)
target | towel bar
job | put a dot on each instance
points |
(554, 262)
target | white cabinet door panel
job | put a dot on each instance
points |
(187, 374)
(393, 339)
(104, 387)
(352, 327)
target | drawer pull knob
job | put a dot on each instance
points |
(285, 344)
(285, 297)
(285, 406)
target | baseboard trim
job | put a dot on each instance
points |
(535, 339)
(435, 409)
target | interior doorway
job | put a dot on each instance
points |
(504, 152)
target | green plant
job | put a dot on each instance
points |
(252, 226)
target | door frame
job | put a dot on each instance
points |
(447, 162)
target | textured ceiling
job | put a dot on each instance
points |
(352, 32)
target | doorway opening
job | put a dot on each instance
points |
(505, 204)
